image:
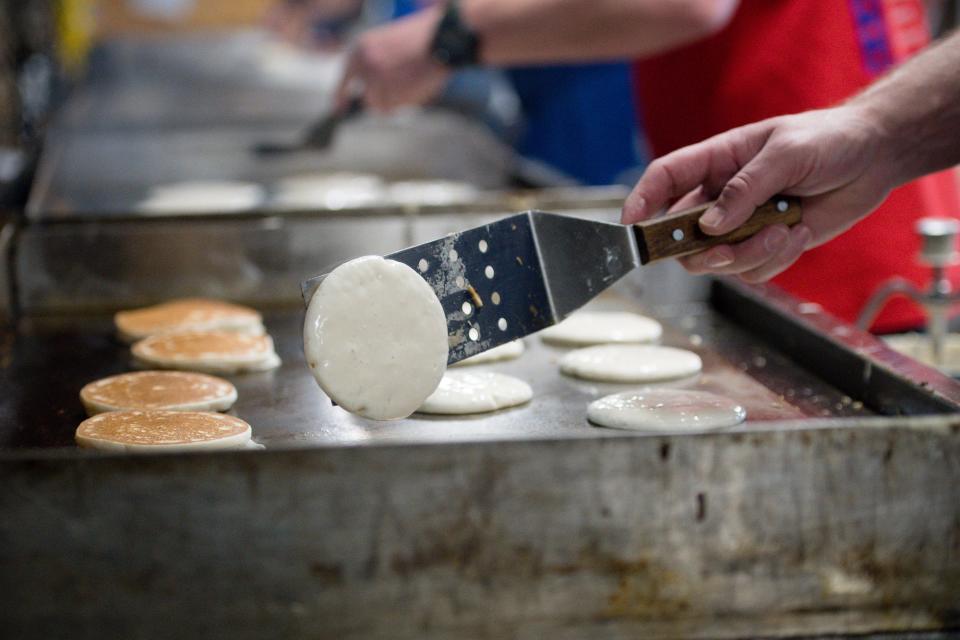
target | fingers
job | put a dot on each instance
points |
(693, 199)
(756, 259)
(358, 82)
(708, 164)
(800, 237)
(351, 83)
(763, 177)
(743, 256)
(710, 261)
(667, 179)
(383, 87)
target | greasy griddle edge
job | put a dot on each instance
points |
(854, 361)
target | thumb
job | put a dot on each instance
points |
(763, 177)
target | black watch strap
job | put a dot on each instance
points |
(454, 45)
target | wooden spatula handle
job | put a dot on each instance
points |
(678, 234)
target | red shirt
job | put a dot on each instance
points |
(785, 56)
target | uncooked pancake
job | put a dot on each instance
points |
(208, 351)
(168, 390)
(507, 351)
(330, 191)
(187, 314)
(375, 338)
(463, 392)
(665, 410)
(155, 431)
(431, 192)
(202, 196)
(630, 363)
(601, 327)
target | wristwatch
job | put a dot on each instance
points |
(454, 44)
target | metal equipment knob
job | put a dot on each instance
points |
(939, 236)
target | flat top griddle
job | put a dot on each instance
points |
(340, 523)
(44, 369)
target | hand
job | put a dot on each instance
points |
(391, 65)
(829, 158)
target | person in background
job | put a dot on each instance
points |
(843, 161)
(703, 66)
(577, 118)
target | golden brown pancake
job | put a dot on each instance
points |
(146, 431)
(169, 390)
(188, 314)
(210, 351)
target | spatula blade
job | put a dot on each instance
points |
(516, 276)
(488, 280)
(580, 258)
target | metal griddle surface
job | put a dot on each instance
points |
(44, 369)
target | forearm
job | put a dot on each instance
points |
(917, 111)
(517, 32)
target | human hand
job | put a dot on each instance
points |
(390, 66)
(831, 158)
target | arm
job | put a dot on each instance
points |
(392, 63)
(843, 161)
(917, 109)
(537, 31)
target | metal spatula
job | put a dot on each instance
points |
(521, 274)
(318, 136)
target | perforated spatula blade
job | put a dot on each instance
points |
(521, 274)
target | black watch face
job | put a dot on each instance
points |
(442, 56)
(454, 44)
(450, 49)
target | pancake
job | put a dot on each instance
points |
(167, 390)
(375, 338)
(665, 410)
(431, 192)
(202, 196)
(585, 328)
(464, 392)
(160, 431)
(187, 314)
(339, 190)
(507, 351)
(207, 351)
(630, 363)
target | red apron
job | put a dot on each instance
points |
(786, 56)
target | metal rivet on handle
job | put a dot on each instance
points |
(677, 234)
(782, 206)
